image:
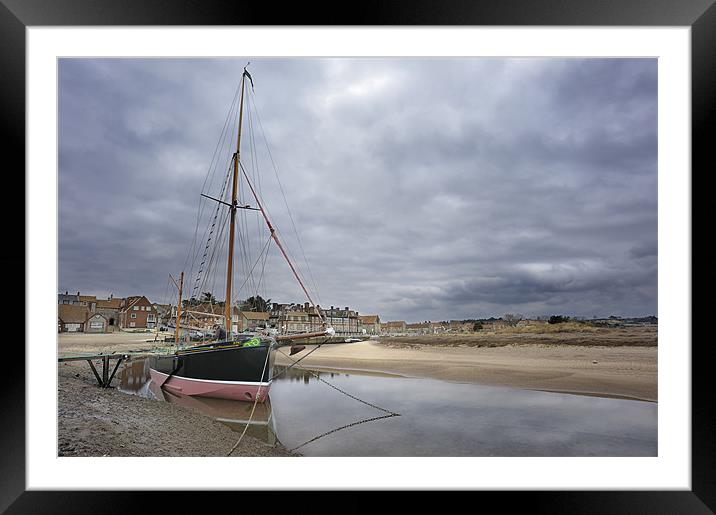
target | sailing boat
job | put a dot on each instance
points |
(236, 367)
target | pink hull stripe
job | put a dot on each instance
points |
(236, 391)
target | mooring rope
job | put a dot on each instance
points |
(299, 360)
(256, 400)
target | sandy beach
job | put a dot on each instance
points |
(628, 372)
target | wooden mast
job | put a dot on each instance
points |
(230, 265)
(177, 325)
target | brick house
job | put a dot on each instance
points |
(71, 318)
(137, 312)
(371, 323)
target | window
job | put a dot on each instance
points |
(134, 315)
(150, 318)
(136, 308)
(131, 324)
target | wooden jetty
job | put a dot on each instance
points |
(106, 379)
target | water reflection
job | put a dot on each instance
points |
(136, 379)
(438, 418)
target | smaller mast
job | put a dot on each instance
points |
(177, 325)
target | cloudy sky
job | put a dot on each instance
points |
(420, 189)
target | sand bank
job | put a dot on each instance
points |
(629, 372)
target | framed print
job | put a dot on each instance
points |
(498, 198)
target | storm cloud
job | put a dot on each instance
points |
(422, 189)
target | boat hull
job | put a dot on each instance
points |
(232, 372)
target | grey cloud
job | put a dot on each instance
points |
(421, 188)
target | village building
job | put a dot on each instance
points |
(393, 327)
(88, 300)
(293, 322)
(344, 321)
(300, 318)
(419, 328)
(254, 320)
(97, 323)
(371, 323)
(65, 298)
(109, 308)
(71, 318)
(137, 312)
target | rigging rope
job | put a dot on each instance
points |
(285, 201)
(210, 172)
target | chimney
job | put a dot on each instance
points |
(111, 296)
(331, 306)
(78, 294)
(346, 308)
(65, 292)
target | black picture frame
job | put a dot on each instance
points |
(16, 15)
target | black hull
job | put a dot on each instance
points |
(232, 363)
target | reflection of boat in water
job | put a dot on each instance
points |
(135, 378)
(235, 414)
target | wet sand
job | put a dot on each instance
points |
(624, 372)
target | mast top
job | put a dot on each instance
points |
(247, 74)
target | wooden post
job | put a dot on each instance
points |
(94, 370)
(105, 371)
(109, 381)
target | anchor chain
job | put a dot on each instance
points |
(352, 424)
(392, 413)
